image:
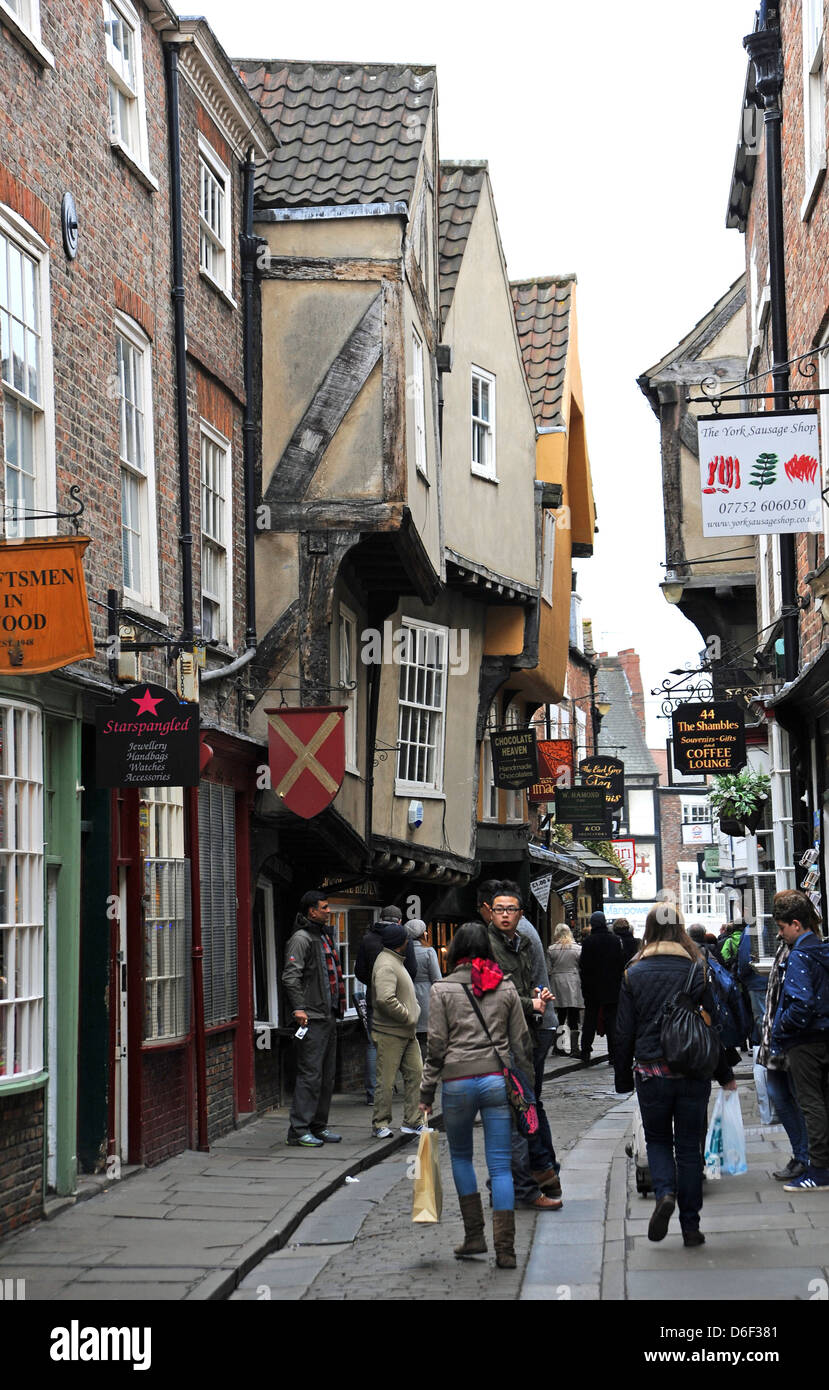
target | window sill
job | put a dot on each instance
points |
(220, 289)
(33, 1082)
(485, 477)
(422, 475)
(32, 44)
(812, 190)
(134, 608)
(352, 770)
(418, 793)
(142, 174)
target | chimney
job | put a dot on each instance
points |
(630, 665)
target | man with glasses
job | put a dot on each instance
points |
(801, 1029)
(513, 953)
(314, 984)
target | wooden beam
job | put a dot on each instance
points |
(329, 268)
(394, 395)
(326, 513)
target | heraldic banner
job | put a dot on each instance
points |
(306, 755)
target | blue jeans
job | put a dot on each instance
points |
(461, 1101)
(783, 1099)
(673, 1114)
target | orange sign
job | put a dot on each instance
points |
(44, 615)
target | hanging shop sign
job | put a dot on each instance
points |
(514, 758)
(540, 889)
(608, 773)
(709, 738)
(306, 756)
(44, 615)
(626, 855)
(555, 768)
(585, 809)
(148, 738)
(760, 474)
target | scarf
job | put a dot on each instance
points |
(484, 976)
(336, 984)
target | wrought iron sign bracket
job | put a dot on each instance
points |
(806, 368)
(11, 511)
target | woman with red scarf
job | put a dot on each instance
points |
(471, 1065)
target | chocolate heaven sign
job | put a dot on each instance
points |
(709, 738)
(148, 738)
(514, 758)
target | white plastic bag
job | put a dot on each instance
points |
(714, 1141)
(768, 1114)
(733, 1135)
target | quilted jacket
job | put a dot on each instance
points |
(649, 983)
(803, 1012)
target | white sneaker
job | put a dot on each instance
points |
(384, 1133)
(413, 1129)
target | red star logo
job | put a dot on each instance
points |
(146, 704)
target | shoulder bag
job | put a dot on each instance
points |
(690, 1045)
(519, 1092)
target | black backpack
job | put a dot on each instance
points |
(690, 1044)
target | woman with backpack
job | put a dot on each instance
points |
(475, 1022)
(674, 1107)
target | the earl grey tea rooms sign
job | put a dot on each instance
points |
(147, 738)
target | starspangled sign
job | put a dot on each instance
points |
(306, 756)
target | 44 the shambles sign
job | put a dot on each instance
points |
(760, 474)
(709, 738)
(148, 738)
(514, 758)
(44, 616)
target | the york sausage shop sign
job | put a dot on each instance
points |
(44, 615)
(555, 768)
(760, 474)
(584, 808)
(709, 738)
(514, 758)
(608, 773)
(148, 738)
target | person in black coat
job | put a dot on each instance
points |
(624, 931)
(601, 966)
(673, 1108)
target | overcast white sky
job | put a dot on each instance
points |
(610, 131)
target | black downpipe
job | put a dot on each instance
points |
(186, 537)
(249, 426)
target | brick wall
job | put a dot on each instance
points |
(670, 811)
(164, 1098)
(221, 1109)
(21, 1160)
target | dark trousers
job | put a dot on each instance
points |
(542, 1043)
(316, 1056)
(591, 1018)
(808, 1066)
(673, 1114)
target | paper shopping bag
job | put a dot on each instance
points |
(427, 1203)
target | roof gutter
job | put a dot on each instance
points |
(323, 214)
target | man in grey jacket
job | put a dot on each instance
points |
(313, 981)
(396, 1013)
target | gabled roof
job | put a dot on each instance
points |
(691, 348)
(542, 317)
(348, 133)
(620, 727)
(460, 190)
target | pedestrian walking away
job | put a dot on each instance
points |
(428, 972)
(800, 1029)
(395, 1021)
(469, 1058)
(565, 982)
(673, 1107)
(601, 965)
(313, 981)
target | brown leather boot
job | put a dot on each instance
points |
(549, 1182)
(503, 1238)
(473, 1225)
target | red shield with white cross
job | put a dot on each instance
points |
(306, 755)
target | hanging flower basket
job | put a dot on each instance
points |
(738, 800)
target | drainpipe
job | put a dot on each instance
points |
(186, 543)
(249, 425)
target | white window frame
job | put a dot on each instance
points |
(210, 436)
(347, 661)
(694, 889)
(135, 147)
(18, 232)
(487, 469)
(696, 810)
(23, 18)
(265, 886)
(549, 558)
(167, 923)
(338, 925)
(220, 242)
(814, 104)
(22, 926)
(433, 713)
(148, 594)
(419, 404)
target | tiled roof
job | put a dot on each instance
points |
(460, 191)
(621, 729)
(347, 133)
(542, 315)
